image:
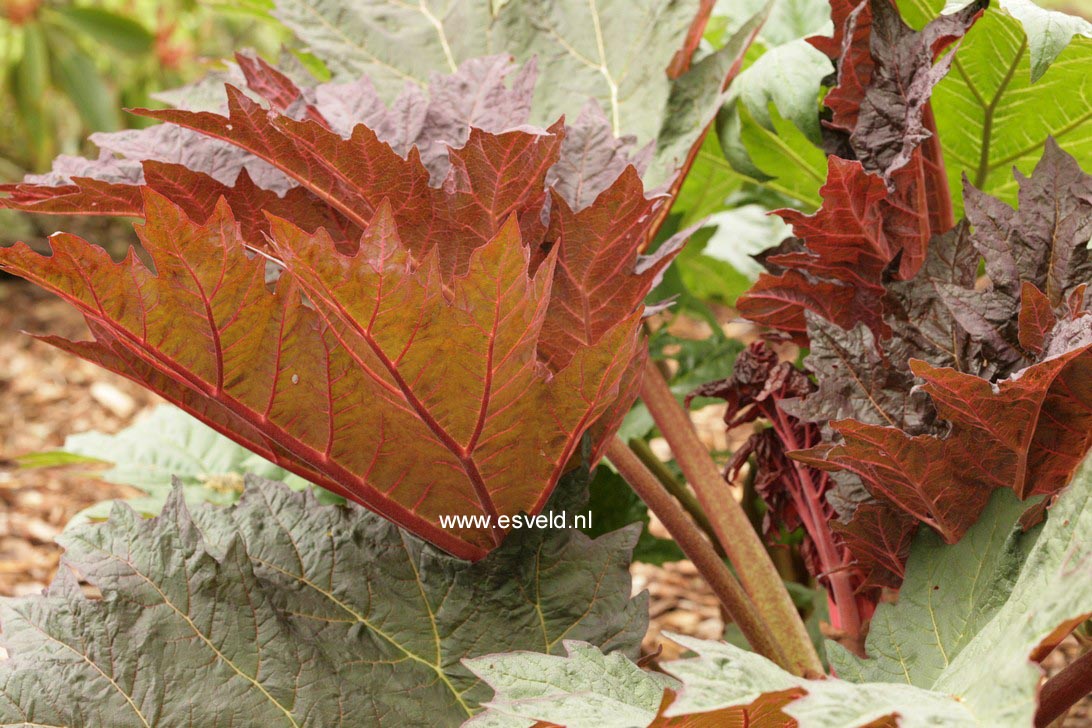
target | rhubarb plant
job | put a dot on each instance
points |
(421, 288)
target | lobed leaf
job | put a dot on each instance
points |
(306, 386)
(281, 611)
(958, 648)
(1013, 85)
(448, 299)
(615, 54)
(1004, 404)
(973, 618)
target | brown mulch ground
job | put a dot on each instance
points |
(46, 395)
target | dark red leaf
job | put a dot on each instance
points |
(1036, 320)
(879, 537)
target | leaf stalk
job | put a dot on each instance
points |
(674, 487)
(743, 546)
(1064, 690)
(699, 550)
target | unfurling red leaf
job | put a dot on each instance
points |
(280, 611)
(1027, 433)
(427, 351)
(848, 244)
(905, 68)
(879, 277)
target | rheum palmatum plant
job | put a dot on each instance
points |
(465, 318)
(434, 308)
(932, 388)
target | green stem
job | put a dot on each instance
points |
(698, 549)
(674, 487)
(741, 543)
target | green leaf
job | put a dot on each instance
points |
(789, 19)
(1048, 31)
(778, 157)
(616, 53)
(169, 444)
(32, 73)
(30, 84)
(123, 33)
(969, 615)
(787, 76)
(954, 651)
(74, 72)
(165, 447)
(584, 688)
(575, 690)
(695, 99)
(708, 186)
(279, 611)
(992, 116)
(724, 676)
(708, 269)
(743, 232)
(54, 459)
(769, 129)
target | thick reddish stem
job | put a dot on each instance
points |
(698, 549)
(680, 62)
(741, 543)
(845, 617)
(1062, 691)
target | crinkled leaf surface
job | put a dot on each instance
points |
(1045, 240)
(855, 381)
(723, 686)
(485, 93)
(1005, 400)
(616, 53)
(1027, 431)
(279, 611)
(905, 68)
(970, 616)
(454, 323)
(583, 688)
(1027, 434)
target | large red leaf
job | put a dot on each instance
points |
(1038, 422)
(412, 398)
(848, 244)
(454, 309)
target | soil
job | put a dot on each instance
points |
(46, 395)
